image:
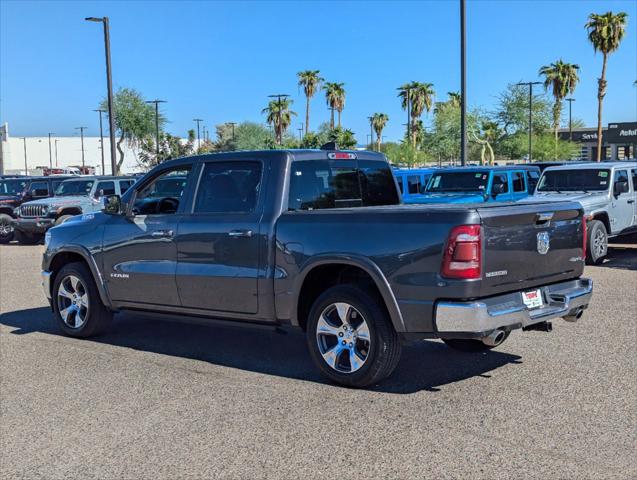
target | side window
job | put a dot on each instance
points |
(125, 185)
(620, 176)
(413, 184)
(532, 178)
(163, 194)
(501, 178)
(634, 172)
(518, 181)
(400, 184)
(105, 188)
(40, 189)
(228, 187)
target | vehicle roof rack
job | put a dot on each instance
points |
(329, 146)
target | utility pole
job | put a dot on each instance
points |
(100, 111)
(81, 129)
(409, 115)
(463, 84)
(56, 152)
(26, 168)
(300, 130)
(530, 85)
(109, 89)
(279, 97)
(50, 152)
(232, 124)
(371, 132)
(570, 118)
(198, 120)
(156, 102)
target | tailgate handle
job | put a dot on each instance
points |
(543, 218)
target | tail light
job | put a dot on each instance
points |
(584, 236)
(463, 255)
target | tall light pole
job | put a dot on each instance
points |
(371, 132)
(463, 84)
(101, 140)
(109, 89)
(300, 130)
(232, 124)
(56, 152)
(81, 129)
(50, 152)
(198, 120)
(279, 97)
(570, 101)
(530, 85)
(26, 167)
(156, 102)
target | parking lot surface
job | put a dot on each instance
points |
(162, 399)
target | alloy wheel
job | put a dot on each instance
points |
(72, 301)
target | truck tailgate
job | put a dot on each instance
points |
(528, 245)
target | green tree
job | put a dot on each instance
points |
(562, 78)
(280, 116)
(605, 32)
(252, 136)
(170, 146)
(379, 120)
(311, 82)
(344, 138)
(335, 97)
(134, 120)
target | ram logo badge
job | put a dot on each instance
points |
(543, 243)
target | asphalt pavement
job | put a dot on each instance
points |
(160, 399)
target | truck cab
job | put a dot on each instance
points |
(412, 182)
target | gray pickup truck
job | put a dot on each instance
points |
(608, 193)
(318, 239)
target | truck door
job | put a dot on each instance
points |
(518, 185)
(140, 253)
(218, 243)
(622, 204)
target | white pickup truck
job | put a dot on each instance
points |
(608, 193)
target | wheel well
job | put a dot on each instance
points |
(70, 211)
(7, 211)
(62, 259)
(603, 217)
(323, 277)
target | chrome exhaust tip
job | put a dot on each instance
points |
(574, 316)
(494, 339)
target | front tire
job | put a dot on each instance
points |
(77, 305)
(6, 228)
(597, 242)
(351, 338)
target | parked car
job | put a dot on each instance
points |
(608, 193)
(318, 240)
(73, 196)
(15, 191)
(479, 184)
(412, 181)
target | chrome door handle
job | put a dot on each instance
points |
(240, 233)
(162, 233)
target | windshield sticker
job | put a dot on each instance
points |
(603, 182)
(478, 175)
(603, 174)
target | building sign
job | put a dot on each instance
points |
(621, 133)
(582, 136)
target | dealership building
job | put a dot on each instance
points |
(619, 141)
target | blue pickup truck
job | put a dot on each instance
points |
(477, 184)
(412, 182)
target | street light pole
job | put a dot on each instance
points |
(100, 111)
(81, 129)
(232, 124)
(26, 167)
(530, 85)
(463, 84)
(56, 152)
(371, 132)
(109, 89)
(156, 102)
(409, 115)
(279, 97)
(50, 153)
(570, 118)
(198, 120)
(300, 130)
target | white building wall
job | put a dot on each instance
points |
(69, 154)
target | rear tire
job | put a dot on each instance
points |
(6, 229)
(77, 305)
(351, 338)
(471, 345)
(596, 242)
(27, 238)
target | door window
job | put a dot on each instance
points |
(501, 178)
(125, 185)
(105, 188)
(40, 189)
(228, 187)
(621, 176)
(400, 184)
(518, 181)
(634, 172)
(413, 184)
(532, 179)
(163, 194)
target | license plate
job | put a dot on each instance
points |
(532, 299)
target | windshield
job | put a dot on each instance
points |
(581, 180)
(458, 182)
(74, 187)
(12, 187)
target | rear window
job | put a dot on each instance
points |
(458, 182)
(574, 180)
(320, 184)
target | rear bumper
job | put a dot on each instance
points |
(508, 312)
(33, 225)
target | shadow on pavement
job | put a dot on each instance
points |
(622, 254)
(427, 365)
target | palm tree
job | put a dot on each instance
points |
(311, 82)
(454, 98)
(420, 98)
(562, 78)
(605, 32)
(335, 96)
(279, 116)
(379, 120)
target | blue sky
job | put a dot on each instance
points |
(219, 60)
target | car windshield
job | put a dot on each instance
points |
(458, 182)
(12, 187)
(580, 180)
(74, 187)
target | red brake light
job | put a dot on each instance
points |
(463, 254)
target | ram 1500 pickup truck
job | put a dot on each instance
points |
(318, 239)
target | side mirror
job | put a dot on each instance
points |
(112, 204)
(497, 189)
(620, 187)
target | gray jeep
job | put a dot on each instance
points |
(608, 193)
